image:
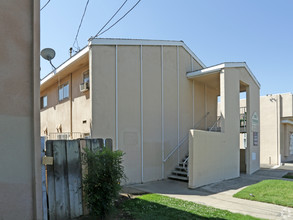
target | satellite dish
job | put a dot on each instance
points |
(48, 54)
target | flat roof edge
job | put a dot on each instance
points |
(217, 68)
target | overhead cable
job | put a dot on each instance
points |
(118, 19)
(111, 18)
(45, 5)
(76, 36)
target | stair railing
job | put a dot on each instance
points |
(217, 124)
(185, 165)
(184, 139)
(186, 160)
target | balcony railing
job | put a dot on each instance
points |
(65, 136)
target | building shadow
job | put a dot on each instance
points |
(173, 187)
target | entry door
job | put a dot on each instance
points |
(291, 144)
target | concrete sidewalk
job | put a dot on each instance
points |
(219, 195)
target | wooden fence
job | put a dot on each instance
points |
(64, 176)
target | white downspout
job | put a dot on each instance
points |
(141, 112)
(162, 113)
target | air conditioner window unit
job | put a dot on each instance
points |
(84, 87)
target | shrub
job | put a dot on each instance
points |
(101, 184)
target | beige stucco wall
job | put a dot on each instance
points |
(275, 135)
(205, 105)
(20, 180)
(143, 122)
(102, 92)
(253, 106)
(270, 129)
(210, 158)
(81, 117)
(59, 112)
(216, 156)
(287, 105)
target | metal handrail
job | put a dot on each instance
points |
(184, 138)
(176, 148)
(211, 129)
(185, 162)
(199, 122)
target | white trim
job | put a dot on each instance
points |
(178, 104)
(65, 64)
(193, 104)
(162, 113)
(113, 41)
(287, 122)
(218, 68)
(116, 97)
(192, 93)
(205, 106)
(141, 112)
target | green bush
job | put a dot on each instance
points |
(101, 184)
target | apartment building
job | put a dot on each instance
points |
(158, 103)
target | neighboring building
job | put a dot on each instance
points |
(20, 160)
(276, 126)
(276, 129)
(146, 95)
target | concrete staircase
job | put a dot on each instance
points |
(180, 172)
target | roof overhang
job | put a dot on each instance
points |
(81, 54)
(287, 122)
(219, 67)
(140, 42)
(113, 41)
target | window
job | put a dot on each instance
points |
(63, 91)
(44, 101)
(86, 77)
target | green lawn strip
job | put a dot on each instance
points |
(279, 192)
(154, 206)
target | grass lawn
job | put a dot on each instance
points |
(154, 206)
(279, 192)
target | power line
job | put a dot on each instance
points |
(119, 19)
(110, 19)
(45, 5)
(75, 40)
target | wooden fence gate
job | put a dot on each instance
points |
(64, 176)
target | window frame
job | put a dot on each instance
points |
(62, 87)
(42, 103)
(84, 78)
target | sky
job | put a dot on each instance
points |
(259, 33)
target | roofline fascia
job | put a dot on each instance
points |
(65, 64)
(287, 122)
(125, 42)
(219, 67)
